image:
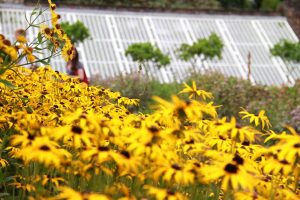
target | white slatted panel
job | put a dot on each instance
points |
(112, 33)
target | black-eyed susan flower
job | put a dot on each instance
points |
(74, 135)
(70, 194)
(164, 194)
(261, 118)
(233, 172)
(194, 92)
(176, 173)
(3, 163)
(45, 151)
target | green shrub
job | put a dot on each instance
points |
(145, 52)
(205, 48)
(236, 4)
(270, 5)
(77, 32)
(287, 50)
(232, 93)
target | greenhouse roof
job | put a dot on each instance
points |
(112, 32)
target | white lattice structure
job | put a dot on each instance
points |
(112, 32)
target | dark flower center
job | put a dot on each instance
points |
(125, 153)
(176, 167)
(30, 137)
(238, 126)
(170, 192)
(246, 143)
(137, 124)
(297, 145)
(53, 6)
(221, 137)
(44, 148)
(76, 129)
(191, 141)
(218, 124)
(197, 164)
(153, 129)
(188, 102)
(7, 42)
(285, 162)
(231, 168)
(102, 148)
(238, 159)
(47, 31)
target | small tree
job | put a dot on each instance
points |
(288, 51)
(203, 48)
(77, 32)
(145, 53)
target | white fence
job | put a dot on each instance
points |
(112, 32)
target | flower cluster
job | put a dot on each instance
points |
(56, 34)
(7, 49)
(63, 140)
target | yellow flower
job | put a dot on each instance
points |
(45, 179)
(70, 194)
(100, 154)
(235, 174)
(193, 91)
(164, 194)
(68, 51)
(45, 151)
(21, 39)
(173, 173)
(7, 48)
(3, 163)
(46, 31)
(76, 135)
(126, 162)
(261, 118)
(288, 147)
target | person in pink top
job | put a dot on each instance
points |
(75, 68)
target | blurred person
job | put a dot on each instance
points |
(20, 35)
(75, 68)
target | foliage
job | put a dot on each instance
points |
(230, 92)
(131, 85)
(12, 53)
(144, 52)
(166, 4)
(241, 4)
(61, 139)
(270, 5)
(77, 31)
(295, 118)
(265, 5)
(287, 50)
(208, 48)
(136, 86)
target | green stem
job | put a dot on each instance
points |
(233, 146)
(296, 178)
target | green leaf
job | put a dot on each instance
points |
(2, 70)
(36, 26)
(40, 38)
(44, 62)
(7, 84)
